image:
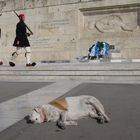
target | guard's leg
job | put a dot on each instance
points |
(16, 53)
(14, 56)
(28, 55)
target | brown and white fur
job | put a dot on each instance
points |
(67, 110)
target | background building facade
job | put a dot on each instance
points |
(65, 29)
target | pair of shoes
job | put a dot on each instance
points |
(31, 65)
(1, 63)
(12, 64)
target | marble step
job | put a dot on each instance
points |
(78, 71)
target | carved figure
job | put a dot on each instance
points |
(112, 23)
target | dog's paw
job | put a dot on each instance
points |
(107, 120)
(61, 125)
(100, 120)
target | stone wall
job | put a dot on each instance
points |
(65, 29)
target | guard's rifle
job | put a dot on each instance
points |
(24, 23)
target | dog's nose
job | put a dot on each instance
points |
(28, 119)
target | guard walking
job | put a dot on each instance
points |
(21, 42)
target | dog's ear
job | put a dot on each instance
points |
(38, 109)
(43, 114)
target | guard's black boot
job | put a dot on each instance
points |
(12, 64)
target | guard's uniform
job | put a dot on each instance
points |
(21, 42)
(21, 39)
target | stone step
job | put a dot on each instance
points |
(79, 71)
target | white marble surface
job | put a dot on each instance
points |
(15, 109)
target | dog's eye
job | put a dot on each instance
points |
(36, 119)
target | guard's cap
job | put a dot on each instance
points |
(21, 15)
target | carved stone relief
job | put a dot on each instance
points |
(111, 22)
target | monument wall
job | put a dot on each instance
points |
(65, 29)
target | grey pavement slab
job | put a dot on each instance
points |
(121, 102)
(10, 90)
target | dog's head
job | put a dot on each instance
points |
(38, 115)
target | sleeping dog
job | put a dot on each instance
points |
(67, 110)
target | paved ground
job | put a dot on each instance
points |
(121, 102)
(14, 89)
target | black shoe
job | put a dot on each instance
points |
(12, 64)
(31, 65)
(1, 63)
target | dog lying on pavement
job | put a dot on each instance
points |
(67, 110)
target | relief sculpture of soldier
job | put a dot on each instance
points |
(21, 42)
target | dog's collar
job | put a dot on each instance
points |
(43, 115)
